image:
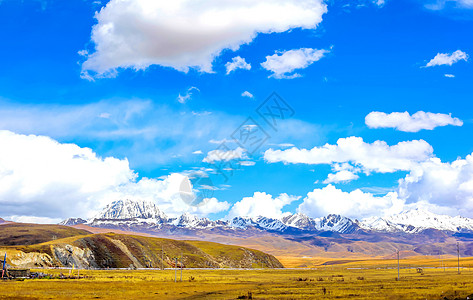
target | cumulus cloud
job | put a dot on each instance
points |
(449, 75)
(447, 58)
(355, 204)
(283, 63)
(42, 178)
(375, 157)
(247, 94)
(183, 34)
(261, 204)
(341, 176)
(403, 121)
(225, 155)
(446, 186)
(237, 63)
(38, 174)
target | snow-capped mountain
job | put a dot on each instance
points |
(258, 222)
(300, 221)
(131, 209)
(191, 221)
(336, 223)
(143, 215)
(417, 220)
(73, 221)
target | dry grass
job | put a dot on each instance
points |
(340, 281)
(29, 234)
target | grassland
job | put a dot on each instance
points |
(342, 280)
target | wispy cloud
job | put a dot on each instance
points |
(188, 95)
(247, 94)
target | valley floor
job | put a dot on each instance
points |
(342, 280)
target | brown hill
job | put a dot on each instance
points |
(32, 245)
(122, 251)
(29, 234)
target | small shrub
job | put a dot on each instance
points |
(249, 296)
(302, 279)
(360, 278)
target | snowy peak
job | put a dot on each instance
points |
(72, 222)
(191, 221)
(417, 220)
(336, 223)
(300, 221)
(258, 222)
(131, 209)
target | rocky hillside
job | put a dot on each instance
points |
(128, 251)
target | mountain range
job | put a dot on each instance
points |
(415, 232)
(130, 214)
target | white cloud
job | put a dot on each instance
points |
(139, 128)
(355, 204)
(379, 3)
(187, 96)
(223, 155)
(341, 176)
(440, 187)
(447, 58)
(40, 175)
(282, 64)
(184, 34)
(375, 157)
(247, 163)
(247, 94)
(403, 121)
(261, 204)
(237, 63)
(449, 75)
(32, 219)
(210, 206)
(447, 186)
(41, 178)
(198, 152)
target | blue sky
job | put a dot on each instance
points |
(61, 81)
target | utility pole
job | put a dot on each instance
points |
(458, 254)
(175, 269)
(398, 278)
(441, 261)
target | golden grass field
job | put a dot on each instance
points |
(368, 279)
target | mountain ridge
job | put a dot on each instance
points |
(125, 214)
